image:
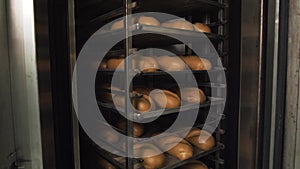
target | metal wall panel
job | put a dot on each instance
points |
(44, 81)
(24, 82)
(7, 145)
(291, 159)
(251, 61)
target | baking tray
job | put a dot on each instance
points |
(160, 73)
(171, 161)
(157, 36)
(154, 114)
(113, 9)
(178, 6)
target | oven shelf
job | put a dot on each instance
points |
(161, 73)
(157, 36)
(171, 162)
(113, 9)
(156, 113)
(112, 158)
(177, 7)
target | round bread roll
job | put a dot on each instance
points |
(148, 151)
(166, 99)
(192, 95)
(201, 27)
(147, 64)
(175, 146)
(179, 24)
(194, 165)
(169, 63)
(197, 63)
(104, 164)
(138, 129)
(204, 143)
(146, 20)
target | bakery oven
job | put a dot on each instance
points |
(190, 73)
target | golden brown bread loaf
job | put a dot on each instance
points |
(143, 63)
(117, 25)
(147, 20)
(103, 64)
(166, 99)
(179, 24)
(171, 100)
(204, 143)
(115, 63)
(143, 20)
(197, 63)
(147, 64)
(148, 151)
(120, 24)
(192, 95)
(169, 63)
(201, 27)
(141, 104)
(194, 165)
(138, 129)
(182, 150)
(104, 164)
(145, 92)
(108, 135)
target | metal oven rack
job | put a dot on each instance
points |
(183, 9)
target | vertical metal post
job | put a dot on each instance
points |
(219, 81)
(72, 55)
(128, 74)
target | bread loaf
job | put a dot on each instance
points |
(169, 63)
(146, 20)
(204, 143)
(179, 24)
(139, 103)
(147, 64)
(166, 99)
(107, 135)
(197, 63)
(192, 95)
(138, 129)
(145, 92)
(194, 165)
(175, 146)
(152, 156)
(103, 64)
(115, 63)
(201, 27)
(120, 24)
